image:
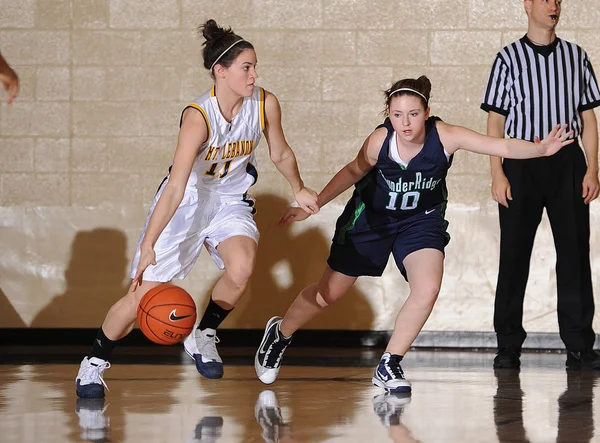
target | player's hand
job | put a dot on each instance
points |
(147, 258)
(501, 191)
(10, 81)
(293, 215)
(308, 200)
(591, 187)
(554, 141)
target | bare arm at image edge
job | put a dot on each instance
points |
(9, 79)
(589, 140)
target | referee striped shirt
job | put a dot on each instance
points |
(538, 87)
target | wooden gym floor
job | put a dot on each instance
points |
(322, 395)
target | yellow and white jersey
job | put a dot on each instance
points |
(226, 164)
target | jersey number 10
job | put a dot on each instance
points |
(410, 200)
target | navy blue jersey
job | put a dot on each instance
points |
(403, 191)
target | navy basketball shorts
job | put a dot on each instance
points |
(364, 239)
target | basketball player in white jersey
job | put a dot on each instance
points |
(203, 202)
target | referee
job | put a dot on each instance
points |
(535, 83)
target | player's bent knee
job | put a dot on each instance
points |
(240, 274)
(326, 298)
(427, 296)
(136, 297)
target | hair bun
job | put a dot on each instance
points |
(425, 85)
(212, 31)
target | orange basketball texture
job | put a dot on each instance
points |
(166, 314)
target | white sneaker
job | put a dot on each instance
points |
(267, 360)
(202, 347)
(90, 383)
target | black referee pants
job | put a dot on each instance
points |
(554, 183)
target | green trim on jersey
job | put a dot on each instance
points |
(341, 238)
(443, 208)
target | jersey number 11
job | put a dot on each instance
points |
(222, 172)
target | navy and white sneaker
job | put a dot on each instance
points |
(389, 375)
(89, 381)
(389, 407)
(267, 361)
(202, 347)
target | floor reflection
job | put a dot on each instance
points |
(576, 409)
(208, 430)
(508, 406)
(457, 397)
(93, 423)
(388, 407)
(269, 417)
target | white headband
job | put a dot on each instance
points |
(407, 89)
(224, 52)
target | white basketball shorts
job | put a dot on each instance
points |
(200, 220)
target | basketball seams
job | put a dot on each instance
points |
(158, 337)
(149, 329)
(173, 304)
(166, 288)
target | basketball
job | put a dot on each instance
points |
(166, 314)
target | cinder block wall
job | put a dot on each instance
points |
(94, 128)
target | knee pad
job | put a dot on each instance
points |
(321, 301)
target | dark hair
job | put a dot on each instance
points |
(421, 85)
(217, 40)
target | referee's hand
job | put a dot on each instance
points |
(501, 189)
(591, 186)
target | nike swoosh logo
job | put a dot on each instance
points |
(262, 349)
(383, 376)
(174, 317)
(429, 211)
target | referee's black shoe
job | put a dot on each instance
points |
(585, 360)
(507, 358)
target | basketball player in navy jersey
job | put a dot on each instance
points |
(397, 207)
(203, 202)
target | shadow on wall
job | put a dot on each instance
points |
(9, 317)
(96, 278)
(285, 264)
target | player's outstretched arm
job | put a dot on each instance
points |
(356, 169)
(458, 137)
(346, 177)
(283, 157)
